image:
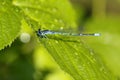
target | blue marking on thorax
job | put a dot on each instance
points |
(47, 32)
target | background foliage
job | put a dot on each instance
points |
(24, 56)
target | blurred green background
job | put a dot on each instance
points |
(26, 60)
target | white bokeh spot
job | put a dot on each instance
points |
(25, 37)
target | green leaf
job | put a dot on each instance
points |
(77, 60)
(72, 56)
(9, 23)
(49, 14)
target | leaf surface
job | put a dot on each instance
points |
(10, 22)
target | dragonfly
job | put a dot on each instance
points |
(44, 33)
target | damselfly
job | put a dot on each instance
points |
(44, 33)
